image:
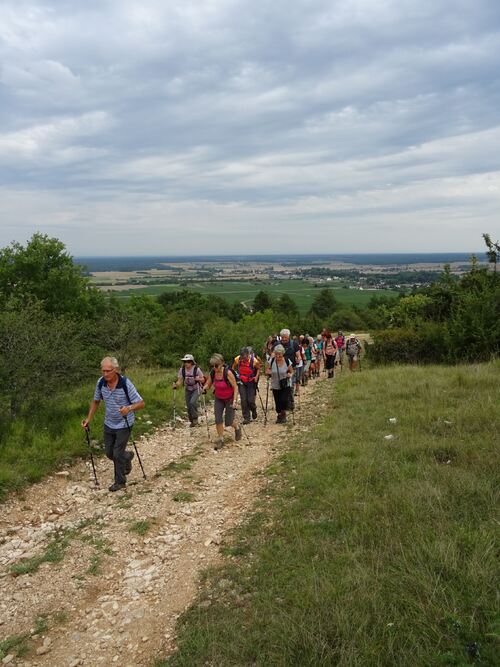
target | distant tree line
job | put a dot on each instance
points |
(55, 326)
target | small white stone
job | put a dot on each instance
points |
(389, 437)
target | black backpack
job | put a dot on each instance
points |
(195, 370)
(122, 381)
(225, 372)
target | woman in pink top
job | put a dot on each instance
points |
(226, 398)
(329, 351)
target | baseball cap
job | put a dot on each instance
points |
(188, 357)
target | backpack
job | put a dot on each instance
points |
(121, 380)
(237, 373)
(352, 347)
(225, 373)
(195, 370)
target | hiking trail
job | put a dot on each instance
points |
(109, 573)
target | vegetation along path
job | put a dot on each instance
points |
(93, 578)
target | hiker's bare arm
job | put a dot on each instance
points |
(92, 410)
(207, 384)
(131, 408)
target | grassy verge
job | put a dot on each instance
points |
(367, 551)
(40, 443)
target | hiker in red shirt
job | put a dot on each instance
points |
(247, 368)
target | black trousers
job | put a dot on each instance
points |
(283, 399)
(115, 443)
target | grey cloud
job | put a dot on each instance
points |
(253, 106)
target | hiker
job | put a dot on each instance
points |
(121, 400)
(280, 371)
(247, 368)
(329, 352)
(291, 347)
(191, 376)
(226, 398)
(352, 349)
(307, 354)
(319, 353)
(340, 342)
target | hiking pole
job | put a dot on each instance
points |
(87, 433)
(175, 413)
(135, 446)
(206, 416)
(267, 401)
(262, 404)
(245, 433)
(359, 362)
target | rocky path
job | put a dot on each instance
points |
(88, 577)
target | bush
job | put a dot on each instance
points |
(428, 344)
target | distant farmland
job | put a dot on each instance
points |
(301, 292)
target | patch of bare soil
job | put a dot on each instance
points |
(109, 573)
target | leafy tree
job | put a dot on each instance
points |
(286, 305)
(44, 271)
(493, 252)
(262, 301)
(324, 304)
(41, 355)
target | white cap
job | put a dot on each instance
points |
(188, 357)
(352, 336)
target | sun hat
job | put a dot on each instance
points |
(188, 357)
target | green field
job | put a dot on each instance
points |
(300, 291)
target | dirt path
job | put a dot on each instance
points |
(118, 569)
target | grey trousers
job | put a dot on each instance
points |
(115, 442)
(192, 404)
(247, 395)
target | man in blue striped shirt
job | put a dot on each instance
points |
(121, 400)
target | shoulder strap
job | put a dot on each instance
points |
(124, 387)
(99, 386)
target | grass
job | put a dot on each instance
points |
(143, 526)
(54, 551)
(183, 497)
(301, 291)
(43, 442)
(365, 551)
(21, 645)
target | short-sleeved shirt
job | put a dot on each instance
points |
(279, 373)
(116, 399)
(189, 381)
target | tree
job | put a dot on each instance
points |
(43, 271)
(286, 305)
(41, 355)
(324, 304)
(493, 252)
(262, 302)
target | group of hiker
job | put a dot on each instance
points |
(287, 363)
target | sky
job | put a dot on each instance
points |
(223, 126)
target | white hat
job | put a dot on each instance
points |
(188, 357)
(352, 336)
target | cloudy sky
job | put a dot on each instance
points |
(220, 126)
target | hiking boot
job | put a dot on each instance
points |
(238, 434)
(246, 421)
(281, 419)
(116, 487)
(193, 424)
(218, 443)
(254, 413)
(128, 464)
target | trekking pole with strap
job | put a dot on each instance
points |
(87, 433)
(206, 415)
(134, 445)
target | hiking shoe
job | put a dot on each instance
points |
(218, 443)
(193, 424)
(128, 464)
(246, 421)
(116, 487)
(238, 434)
(254, 413)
